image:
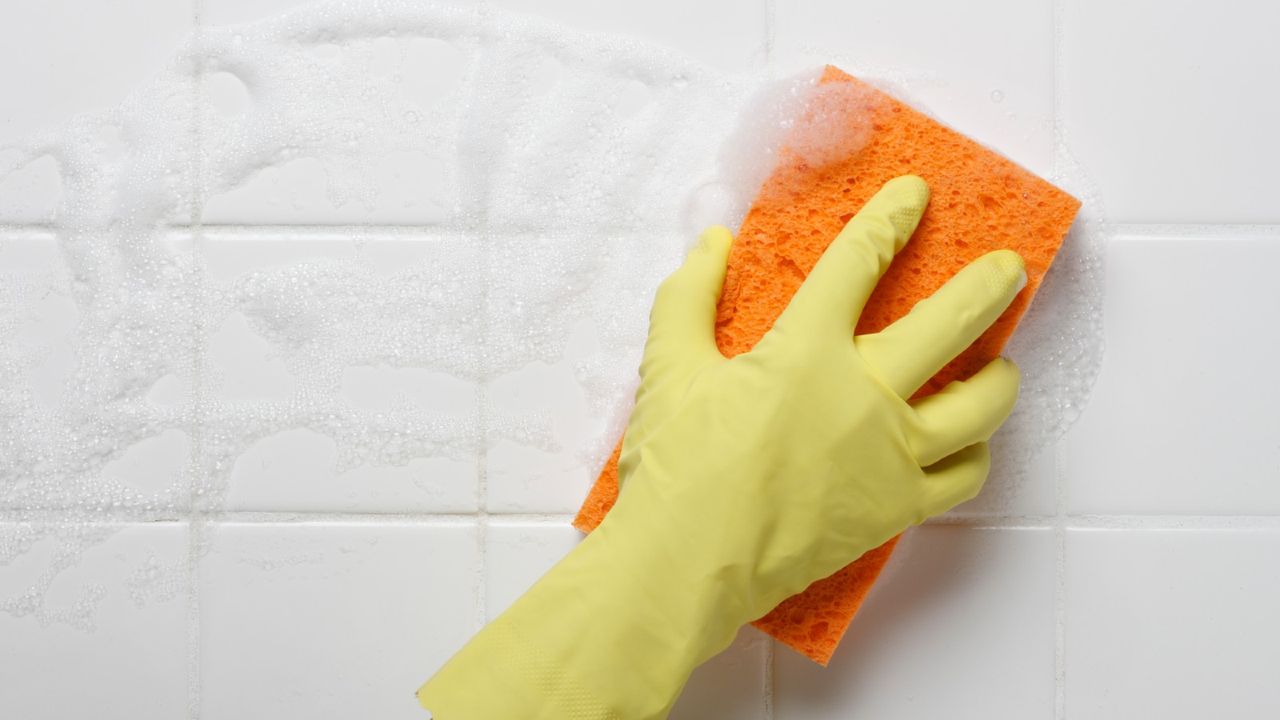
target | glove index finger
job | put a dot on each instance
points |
(682, 321)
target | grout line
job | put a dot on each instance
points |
(481, 517)
(27, 228)
(1059, 87)
(533, 518)
(457, 519)
(1057, 20)
(770, 37)
(993, 521)
(1173, 522)
(385, 518)
(195, 539)
(449, 231)
(356, 520)
(441, 231)
(479, 232)
(206, 518)
(770, 61)
(1153, 230)
(484, 235)
(81, 522)
(769, 651)
(196, 528)
(1059, 584)
(1196, 230)
(1190, 523)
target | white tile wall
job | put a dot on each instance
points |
(722, 33)
(64, 57)
(1030, 492)
(1163, 107)
(29, 191)
(330, 620)
(228, 12)
(40, 315)
(1172, 623)
(1183, 418)
(107, 637)
(76, 57)
(414, 182)
(42, 360)
(549, 475)
(1129, 576)
(517, 554)
(986, 67)
(298, 469)
(962, 627)
(732, 685)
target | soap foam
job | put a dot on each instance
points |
(1058, 344)
(566, 174)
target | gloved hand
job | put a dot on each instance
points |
(744, 480)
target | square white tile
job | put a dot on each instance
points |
(270, 159)
(563, 335)
(571, 298)
(1171, 125)
(730, 685)
(961, 625)
(76, 56)
(30, 188)
(526, 479)
(721, 33)
(1183, 417)
(68, 58)
(985, 68)
(94, 621)
(341, 371)
(40, 320)
(297, 470)
(330, 620)
(93, 384)
(153, 469)
(1172, 624)
(226, 12)
(517, 554)
(539, 428)
(577, 145)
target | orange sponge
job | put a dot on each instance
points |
(980, 202)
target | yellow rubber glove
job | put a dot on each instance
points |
(746, 479)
